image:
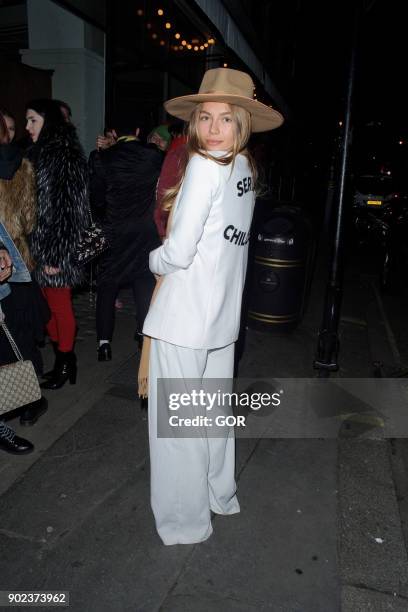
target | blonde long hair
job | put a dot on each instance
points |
(242, 131)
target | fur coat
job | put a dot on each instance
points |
(62, 206)
(17, 199)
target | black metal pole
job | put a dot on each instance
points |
(109, 60)
(328, 343)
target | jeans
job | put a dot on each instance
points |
(20, 273)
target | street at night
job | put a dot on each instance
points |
(322, 479)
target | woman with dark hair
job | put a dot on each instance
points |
(10, 122)
(62, 215)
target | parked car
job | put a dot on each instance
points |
(394, 272)
(374, 191)
(380, 220)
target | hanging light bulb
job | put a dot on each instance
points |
(202, 47)
(139, 12)
(160, 12)
(189, 47)
(162, 43)
(177, 35)
(195, 48)
(211, 41)
(184, 43)
(154, 35)
(168, 25)
(205, 45)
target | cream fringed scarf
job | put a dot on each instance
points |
(143, 375)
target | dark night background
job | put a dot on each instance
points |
(305, 48)
(309, 59)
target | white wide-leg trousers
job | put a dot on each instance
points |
(189, 476)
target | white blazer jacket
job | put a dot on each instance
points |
(204, 258)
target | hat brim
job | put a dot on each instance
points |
(263, 117)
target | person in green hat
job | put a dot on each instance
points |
(160, 136)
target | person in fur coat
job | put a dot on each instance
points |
(62, 215)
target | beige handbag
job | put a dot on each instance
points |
(18, 381)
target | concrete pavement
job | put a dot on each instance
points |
(76, 516)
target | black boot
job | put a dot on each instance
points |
(104, 352)
(11, 443)
(138, 336)
(50, 373)
(32, 412)
(66, 369)
(144, 403)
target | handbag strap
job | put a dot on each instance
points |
(100, 159)
(89, 208)
(9, 337)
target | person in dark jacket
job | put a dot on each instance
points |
(62, 215)
(123, 184)
(10, 121)
(9, 441)
(21, 303)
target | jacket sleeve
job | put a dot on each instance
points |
(198, 190)
(169, 176)
(97, 184)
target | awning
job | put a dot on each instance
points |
(234, 39)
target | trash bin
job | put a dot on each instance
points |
(281, 274)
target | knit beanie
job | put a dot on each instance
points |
(163, 132)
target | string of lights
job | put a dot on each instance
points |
(164, 29)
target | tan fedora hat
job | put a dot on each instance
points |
(232, 87)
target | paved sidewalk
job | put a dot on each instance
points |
(76, 515)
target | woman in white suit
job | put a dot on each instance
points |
(194, 319)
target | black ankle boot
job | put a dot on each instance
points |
(104, 352)
(66, 369)
(11, 443)
(50, 373)
(144, 403)
(32, 412)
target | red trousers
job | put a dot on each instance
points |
(61, 327)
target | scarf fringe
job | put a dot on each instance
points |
(143, 374)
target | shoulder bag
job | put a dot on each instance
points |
(92, 244)
(18, 381)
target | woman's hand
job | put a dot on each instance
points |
(5, 265)
(51, 271)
